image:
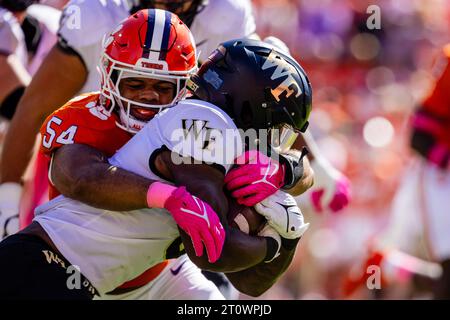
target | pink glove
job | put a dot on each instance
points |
(192, 215)
(256, 178)
(339, 200)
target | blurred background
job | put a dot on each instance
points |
(367, 84)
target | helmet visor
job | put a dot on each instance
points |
(282, 138)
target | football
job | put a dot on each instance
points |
(244, 218)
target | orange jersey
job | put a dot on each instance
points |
(82, 120)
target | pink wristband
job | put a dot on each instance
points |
(158, 193)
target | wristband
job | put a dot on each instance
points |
(158, 193)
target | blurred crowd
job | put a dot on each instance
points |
(366, 85)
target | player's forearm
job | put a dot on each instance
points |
(256, 280)
(111, 188)
(84, 174)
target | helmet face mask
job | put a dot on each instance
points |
(130, 52)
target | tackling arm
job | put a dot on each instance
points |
(83, 173)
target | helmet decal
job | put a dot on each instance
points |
(282, 69)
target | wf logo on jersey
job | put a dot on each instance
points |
(198, 139)
(283, 69)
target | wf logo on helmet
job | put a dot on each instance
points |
(283, 69)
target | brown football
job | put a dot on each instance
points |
(244, 218)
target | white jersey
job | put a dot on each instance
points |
(12, 39)
(113, 247)
(85, 23)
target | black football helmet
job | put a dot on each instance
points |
(17, 5)
(258, 86)
(174, 6)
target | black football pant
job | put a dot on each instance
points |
(30, 269)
